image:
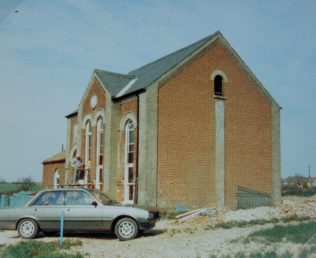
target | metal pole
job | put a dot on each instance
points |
(62, 217)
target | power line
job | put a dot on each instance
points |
(28, 134)
(8, 7)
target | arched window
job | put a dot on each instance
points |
(129, 174)
(218, 85)
(129, 132)
(99, 151)
(56, 179)
(88, 142)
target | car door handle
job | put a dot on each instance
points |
(35, 209)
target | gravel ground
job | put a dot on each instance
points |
(195, 238)
(168, 239)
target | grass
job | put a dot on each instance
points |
(269, 254)
(241, 224)
(299, 233)
(38, 249)
(9, 188)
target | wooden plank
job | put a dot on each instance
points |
(191, 216)
(187, 213)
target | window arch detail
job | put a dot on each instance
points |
(100, 113)
(219, 78)
(219, 72)
(85, 120)
(128, 116)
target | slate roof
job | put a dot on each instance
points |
(74, 113)
(61, 156)
(149, 73)
(113, 82)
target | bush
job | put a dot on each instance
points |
(295, 190)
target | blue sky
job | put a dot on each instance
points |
(49, 49)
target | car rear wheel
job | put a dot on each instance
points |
(27, 228)
(126, 229)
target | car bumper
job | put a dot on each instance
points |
(148, 224)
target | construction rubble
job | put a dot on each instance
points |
(216, 216)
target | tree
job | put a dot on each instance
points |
(26, 183)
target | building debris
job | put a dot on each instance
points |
(288, 209)
(190, 215)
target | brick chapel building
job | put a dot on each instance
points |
(188, 128)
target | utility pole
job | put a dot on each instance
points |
(309, 175)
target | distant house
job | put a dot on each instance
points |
(188, 128)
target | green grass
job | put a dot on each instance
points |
(269, 254)
(38, 249)
(299, 233)
(8, 188)
(242, 224)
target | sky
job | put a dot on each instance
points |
(49, 49)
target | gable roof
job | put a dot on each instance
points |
(113, 82)
(120, 85)
(149, 73)
(59, 157)
(143, 77)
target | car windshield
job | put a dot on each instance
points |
(102, 197)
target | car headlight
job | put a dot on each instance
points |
(151, 215)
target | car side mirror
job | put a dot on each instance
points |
(94, 203)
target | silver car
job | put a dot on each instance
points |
(83, 211)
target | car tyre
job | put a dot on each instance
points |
(27, 228)
(126, 229)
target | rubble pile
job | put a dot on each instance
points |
(289, 209)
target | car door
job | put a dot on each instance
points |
(47, 209)
(80, 213)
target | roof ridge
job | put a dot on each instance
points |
(128, 76)
(175, 52)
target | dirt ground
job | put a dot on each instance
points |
(195, 238)
(169, 240)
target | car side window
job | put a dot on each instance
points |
(78, 198)
(50, 198)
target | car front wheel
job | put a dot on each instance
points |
(27, 228)
(126, 229)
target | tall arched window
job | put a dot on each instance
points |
(129, 182)
(99, 151)
(218, 85)
(88, 142)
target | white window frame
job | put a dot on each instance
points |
(99, 167)
(88, 143)
(129, 126)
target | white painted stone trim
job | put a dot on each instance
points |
(219, 72)
(86, 118)
(98, 114)
(128, 116)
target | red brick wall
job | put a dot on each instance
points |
(96, 89)
(48, 173)
(186, 133)
(73, 121)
